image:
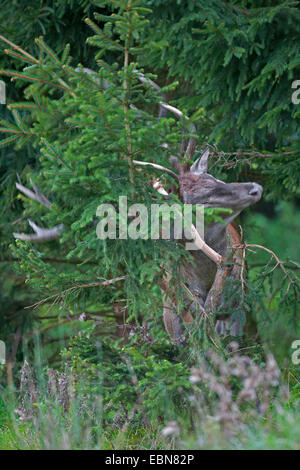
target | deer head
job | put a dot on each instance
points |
(199, 187)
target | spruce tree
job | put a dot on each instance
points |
(87, 130)
(87, 134)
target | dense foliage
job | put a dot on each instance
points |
(75, 136)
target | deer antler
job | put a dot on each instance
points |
(158, 167)
(37, 195)
(163, 107)
(41, 234)
(199, 242)
(190, 148)
(148, 81)
(189, 151)
(93, 74)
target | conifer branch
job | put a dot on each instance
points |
(79, 286)
(126, 104)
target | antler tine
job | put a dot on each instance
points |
(94, 75)
(148, 81)
(158, 167)
(37, 195)
(164, 107)
(189, 149)
(41, 234)
(191, 146)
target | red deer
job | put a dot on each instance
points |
(203, 278)
(206, 277)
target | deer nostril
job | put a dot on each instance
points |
(255, 191)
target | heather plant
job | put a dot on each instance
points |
(134, 399)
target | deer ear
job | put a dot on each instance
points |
(201, 164)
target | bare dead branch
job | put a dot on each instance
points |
(231, 160)
(248, 246)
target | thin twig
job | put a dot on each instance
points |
(279, 263)
(79, 286)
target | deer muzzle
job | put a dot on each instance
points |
(256, 191)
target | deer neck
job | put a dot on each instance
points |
(215, 233)
(200, 274)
